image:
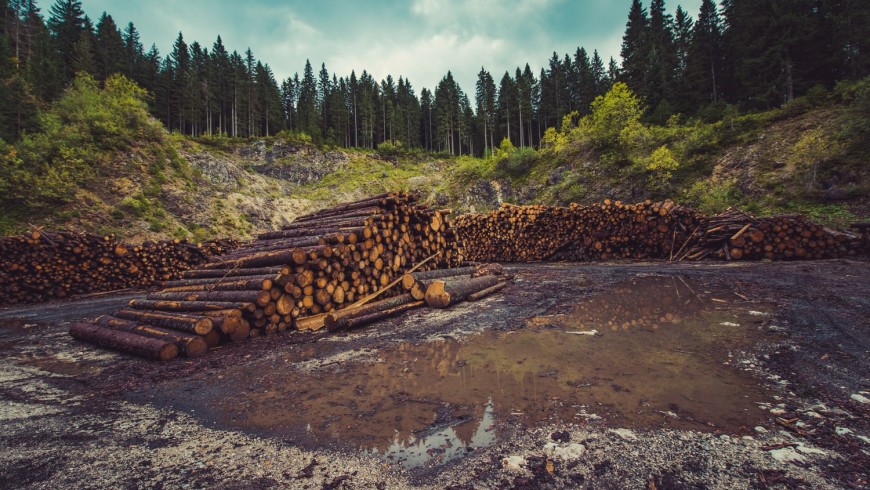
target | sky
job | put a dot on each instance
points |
(420, 40)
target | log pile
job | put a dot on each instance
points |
(40, 265)
(665, 230)
(605, 231)
(734, 235)
(320, 264)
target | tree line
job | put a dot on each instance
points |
(754, 54)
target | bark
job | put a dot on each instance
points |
(130, 343)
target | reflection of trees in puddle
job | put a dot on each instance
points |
(427, 402)
(442, 446)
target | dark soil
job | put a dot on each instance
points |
(95, 418)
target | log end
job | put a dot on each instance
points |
(436, 296)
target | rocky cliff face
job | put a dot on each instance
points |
(291, 163)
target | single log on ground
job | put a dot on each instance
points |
(161, 350)
(339, 319)
(359, 321)
(189, 344)
(443, 293)
(486, 292)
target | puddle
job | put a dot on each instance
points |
(657, 360)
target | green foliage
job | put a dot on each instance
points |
(662, 163)
(613, 113)
(295, 137)
(811, 150)
(79, 135)
(712, 198)
(467, 170)
(517, 162)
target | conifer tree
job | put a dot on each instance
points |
(67, 23)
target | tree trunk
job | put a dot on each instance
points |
(150, 348)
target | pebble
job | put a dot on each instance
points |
(860, 398)
(514, 463)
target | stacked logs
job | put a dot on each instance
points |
(609, 230)
(734, 235)
(40, 266)
(321, 263)
(436, 288)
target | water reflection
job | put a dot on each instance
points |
(656, 363)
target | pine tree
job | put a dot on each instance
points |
(635, 48)
(599, 76)
(704, 59)
(485, 101)
(67, 23)
(42, 67)
(506, 107)
(661, 62)
(110, 50)
(133, 52)
(307, 106)
(84, 52)
(426, 118)
(220, 83)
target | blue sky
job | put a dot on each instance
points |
(418, 39)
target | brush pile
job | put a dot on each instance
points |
(41, 266)
(735, 235)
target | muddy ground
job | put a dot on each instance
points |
(624, 375)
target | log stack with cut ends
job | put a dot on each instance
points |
(605, 231)
(734, 235)
(41, 266)
(664, 230)
(320, 263)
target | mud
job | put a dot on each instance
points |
(599, 376)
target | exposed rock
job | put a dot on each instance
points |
(216, 169)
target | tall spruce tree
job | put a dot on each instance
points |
(67, 23)
(635, 49)
(704, 59)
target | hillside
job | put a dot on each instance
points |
(101, 164)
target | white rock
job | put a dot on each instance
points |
(860, 398)
(729, 324)
(514, 463)
(625, 434)
(787, 455)
(761, 430)
(842, 431)
(583, 332)
(564, 452)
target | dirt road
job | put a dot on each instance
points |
(623, 375)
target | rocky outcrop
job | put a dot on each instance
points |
(299, 164)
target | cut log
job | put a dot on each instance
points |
(339, 319)
(442, 294)
(188, 344)
(409, 278)
(259, 298)
(359, 321)
(131, 343)
(199, 325)
(186, 306)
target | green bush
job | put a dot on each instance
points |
(78, 136)
(517, 162)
